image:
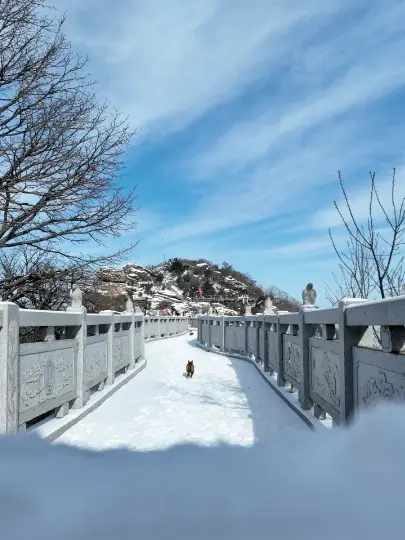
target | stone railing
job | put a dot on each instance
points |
(330, 356)
(74, 354)
(193, 322)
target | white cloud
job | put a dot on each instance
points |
(367, 64)
(168, 64)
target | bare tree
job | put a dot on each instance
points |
(372, 263)
(61, 152)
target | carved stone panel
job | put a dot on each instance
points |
(273, 350)
(95, 363)
(376, 384)
(251, 340)
(120, 352)
(292, 359)
(325, 381)
(216, 335)
(204, 328)
(47, 379)
(235, 338)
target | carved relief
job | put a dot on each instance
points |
(120, 351)
(292, 357)
(325, 377)
(49, 377)
(376, 389)
(273, 349)
(235, 337)
(95, 361)
(252, 340)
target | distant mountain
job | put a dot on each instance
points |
(187, 286)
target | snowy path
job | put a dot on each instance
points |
(226, 401)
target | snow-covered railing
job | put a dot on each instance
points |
(74, 354)
(340, 360)
(193, 322)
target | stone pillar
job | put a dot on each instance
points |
(129, 308)
(9, 367)
(265, 345)
(348, 338)
(257, 341)
(142, 338)
(245, 337)
(223, 333)
(306, 332)
(79, 333)
(281, 330)
(110, 348)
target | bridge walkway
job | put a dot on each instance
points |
(226, 401)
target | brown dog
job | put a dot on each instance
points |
(190, 368)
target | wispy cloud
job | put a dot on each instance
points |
(255, 105)
(168, 66)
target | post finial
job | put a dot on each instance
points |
(309, 295)
(129, 305)
(268, 306)
(76, 297)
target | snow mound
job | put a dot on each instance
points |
(344, 484)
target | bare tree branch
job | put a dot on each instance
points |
(61, 151)
(372, 263)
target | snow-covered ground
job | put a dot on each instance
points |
(291, 484)
(226, 401)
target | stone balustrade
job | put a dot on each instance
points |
(193, 322)
(61, 369)
(331, 356)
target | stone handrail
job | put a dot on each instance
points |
(331, 356)
(59, 374)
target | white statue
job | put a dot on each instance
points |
(76, 296)
(309, 295)
(248, 310)
(129, 305)
(268, 306)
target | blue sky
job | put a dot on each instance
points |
(244, 113)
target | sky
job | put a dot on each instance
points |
(244, 112)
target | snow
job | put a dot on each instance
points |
(341, 484)
(226, 402)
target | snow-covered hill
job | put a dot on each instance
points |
(187, 286)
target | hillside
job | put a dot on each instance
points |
(186, 286)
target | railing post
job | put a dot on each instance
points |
(257, 341)
(348, 338)
(9, 367)
(129, 308)
(265, 346)
(142, 338)
(110, 348)
(245, 333)
(281, 330)
(223, 333)
(80, 335)
(209, 331)
(306, 332)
